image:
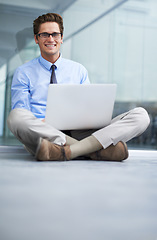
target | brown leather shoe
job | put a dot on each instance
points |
(119, 152)
(49, 151)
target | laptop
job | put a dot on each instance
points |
(78, 107)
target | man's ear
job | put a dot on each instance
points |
(36, 39)
(62, 40)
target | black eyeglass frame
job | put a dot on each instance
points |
(49, 34)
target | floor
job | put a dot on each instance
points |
(77, 200)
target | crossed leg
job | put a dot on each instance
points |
(46, 142)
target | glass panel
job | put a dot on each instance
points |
(3, 71)
(84, 13)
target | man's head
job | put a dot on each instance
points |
(48, 34)
(49, 17)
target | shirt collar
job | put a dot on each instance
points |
(48, 64)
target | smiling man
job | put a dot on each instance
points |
(29, 98)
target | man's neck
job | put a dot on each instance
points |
(51, 58)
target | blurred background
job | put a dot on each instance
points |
(116, 40)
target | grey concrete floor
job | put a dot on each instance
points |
(77, 200)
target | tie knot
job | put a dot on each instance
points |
(53, 67)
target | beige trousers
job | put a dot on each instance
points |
(29, 130)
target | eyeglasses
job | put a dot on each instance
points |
(46, 35)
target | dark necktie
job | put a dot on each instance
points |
(53, 75)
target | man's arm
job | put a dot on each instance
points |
(84, 77)
(20, 90)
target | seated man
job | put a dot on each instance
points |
(29, 95)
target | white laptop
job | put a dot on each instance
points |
(81, 107)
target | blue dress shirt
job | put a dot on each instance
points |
(31, 80)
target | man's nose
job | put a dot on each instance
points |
(51, 37)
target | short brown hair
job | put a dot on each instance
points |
(49, 17)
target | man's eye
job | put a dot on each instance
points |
(45, 34)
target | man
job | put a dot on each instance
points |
(29, 95)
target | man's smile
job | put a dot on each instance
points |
(50, 45)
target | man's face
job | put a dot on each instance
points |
(49, 46)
